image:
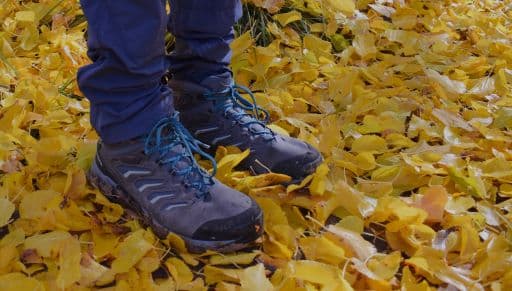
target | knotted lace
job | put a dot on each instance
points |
(165, 140)
(251, 113)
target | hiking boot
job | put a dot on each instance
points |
(158, 177)
(227, 119)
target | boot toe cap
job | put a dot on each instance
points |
(244, 227)
(302, 163)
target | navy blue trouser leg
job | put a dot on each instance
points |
(123, 83)
(203, 31)
(126, 45)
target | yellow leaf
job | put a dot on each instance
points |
(19, 282)
(130, 251)
(242, 258)
(317, 186)
(353, 242)
(451, 86)
(277, 249)
(433, 202)
(286, 18)
(69, 263)
(34, 204)
(318, 46)
(177, 242)
(273, 214)
(322, 249)
(355, 202)
(385, 267)
(346, 6)
(241, 43)
(90, 271)
(492, 216)
(438, 266)
(317, 273)
(104, 243)
(364, 45)
(263, 180)
(9, 255)
(15, 237)
(75, 183)
(25, 16)
(47, 244)
(229, 162)
(457, 205)
(254, 278)
(369, 143)
(6, 210)
(302, 184)
(70, 216)
(271, 5)
(352, 223)
(365, 161)
(149, 263)
(223, 286)
(409, 282)
(215, 275)
(472, 184)
(179, 271)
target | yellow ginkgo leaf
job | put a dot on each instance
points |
(322, 249)
(433, 202)
(214, 275)
(69, 263)
(317, 186)
(254, 278)
(179, 271)
(130, 251)
(48, 244)
(6, 210)
(19, 282)
(90, 271)
(286, 18)
(317, 273)
(345, 6)
(34, 205)
(235, 259)
(353, 243)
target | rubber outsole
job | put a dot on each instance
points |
(116, 194)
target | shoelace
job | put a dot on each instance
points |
(169, 133)
(232, 94)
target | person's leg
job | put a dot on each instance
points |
(203, 30)
(146, 157)
(123, 82)
(209, 101)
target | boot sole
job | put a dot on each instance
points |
(116, 194)
(309, 168)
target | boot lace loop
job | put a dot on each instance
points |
(251, 113)
(169, 134)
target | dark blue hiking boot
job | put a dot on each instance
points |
(226, 118)
(159, 178)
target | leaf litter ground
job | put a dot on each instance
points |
(409, 101)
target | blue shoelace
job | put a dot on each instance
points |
(232, 94)
(168, 134)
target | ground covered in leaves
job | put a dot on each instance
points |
(409, 101)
